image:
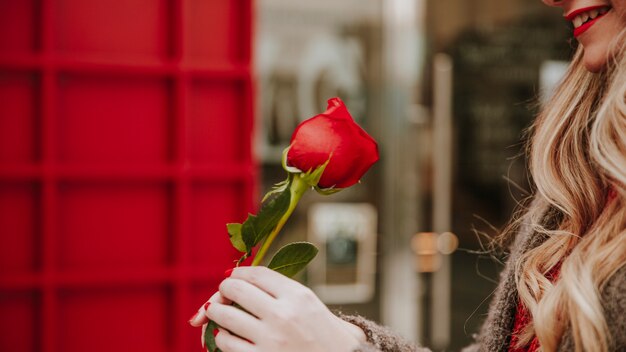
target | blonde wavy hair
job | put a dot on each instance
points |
(577, 154)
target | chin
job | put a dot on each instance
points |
(594, 67)
(594, 63)
(596, 55)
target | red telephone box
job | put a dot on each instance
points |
(125, 147)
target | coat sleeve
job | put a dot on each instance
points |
(380, 338)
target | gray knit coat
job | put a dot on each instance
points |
(495, 334)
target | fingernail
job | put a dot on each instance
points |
(215, 332)
(206, 306)
(228, 272)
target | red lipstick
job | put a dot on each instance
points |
(582, 29)
(585, 26)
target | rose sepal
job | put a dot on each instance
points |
(289, 169)
(277, 188)
(327, 191)
(312, 177)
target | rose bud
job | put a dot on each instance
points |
(332, 137)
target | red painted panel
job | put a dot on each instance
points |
(113, 226)
(125, 147)
(17, 26)
(199, 294)
(19, 206)
(113, 320)
(18, 108)
(215, 121)
(18, 321)
(112, 29)
(113, 120)
(212, 206)
(223, 40)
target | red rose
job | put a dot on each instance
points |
(333, 136)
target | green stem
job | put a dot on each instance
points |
(297, 188)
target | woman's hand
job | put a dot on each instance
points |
(283, 316)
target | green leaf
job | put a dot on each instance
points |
(234, 232)
(256, 228)
(292, 258)
(209, 338)
(248, 231)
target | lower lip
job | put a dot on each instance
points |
(582, 29)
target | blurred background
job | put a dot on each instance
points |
(131, 131)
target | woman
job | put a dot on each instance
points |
(564, 285)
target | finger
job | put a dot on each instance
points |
(266, 279)
(236, 320)
(204, 327)
(228, 342)
(200, 317)
(250, 297)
